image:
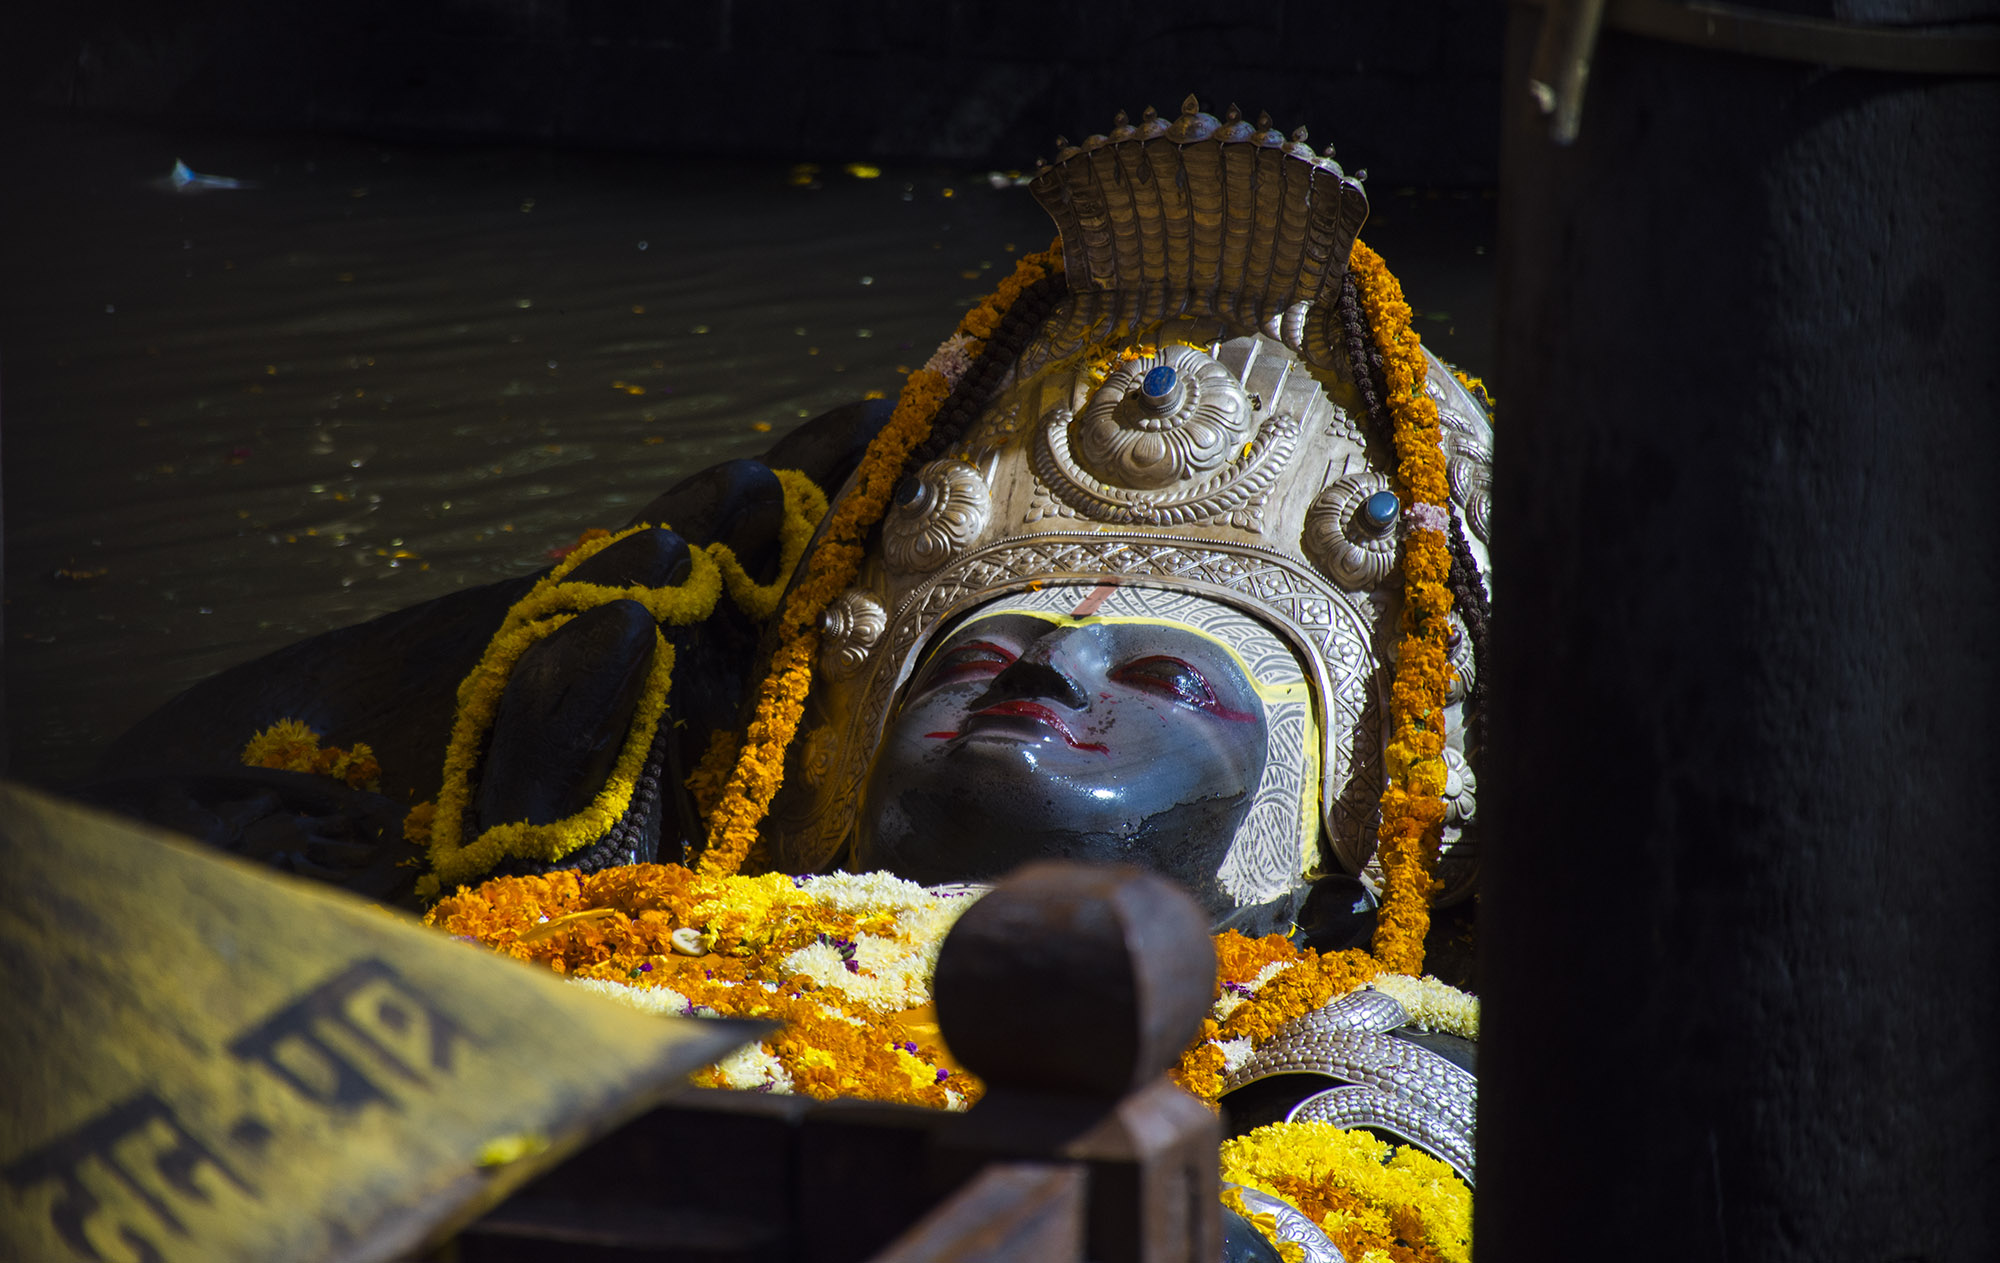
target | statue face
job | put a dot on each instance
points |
(1025, 737)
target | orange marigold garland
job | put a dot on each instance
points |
(1413, 763)
(711, 776)
(835, 560)
(1261, 985)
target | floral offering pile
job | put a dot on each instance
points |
(844, 961)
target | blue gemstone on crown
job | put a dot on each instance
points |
(1379, 510)
(1159, 383)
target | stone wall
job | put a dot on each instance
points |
(1736, 916)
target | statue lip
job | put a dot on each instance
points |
(1039, 714)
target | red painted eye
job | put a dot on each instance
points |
(970, 661)
(1171, 676)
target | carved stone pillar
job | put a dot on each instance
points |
(1739, 923)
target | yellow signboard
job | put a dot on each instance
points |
(203, 1060)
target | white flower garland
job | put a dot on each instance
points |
(1432, 1005)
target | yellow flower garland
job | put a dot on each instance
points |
(549, 605)
(760, 765)
(1413, 760)
(1376, 1204)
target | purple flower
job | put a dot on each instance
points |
(943, 1074)
(853, 966)
(646, 968)
(909, 1045)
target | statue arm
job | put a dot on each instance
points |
(392, 682)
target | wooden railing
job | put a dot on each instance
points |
(1069, 990)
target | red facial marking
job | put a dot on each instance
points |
(1180, 682)
(1043, 715)
(971, 660)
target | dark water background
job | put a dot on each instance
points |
(236, 418)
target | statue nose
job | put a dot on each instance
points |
(1031, 677)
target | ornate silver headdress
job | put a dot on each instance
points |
(1185, 420)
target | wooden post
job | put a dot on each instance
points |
(1071, 989)
(1011, 1212)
